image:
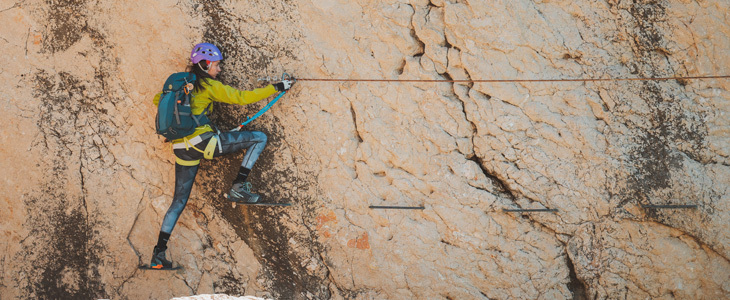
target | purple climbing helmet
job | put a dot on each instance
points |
(205, 51)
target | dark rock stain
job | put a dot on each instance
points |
(671, 122)
(61, 251)
(264, 229)
(67, 24)
(229, 284)
(577, 287)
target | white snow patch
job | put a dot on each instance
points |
(218, 297)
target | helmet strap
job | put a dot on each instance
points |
(206, 68)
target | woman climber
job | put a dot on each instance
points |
(191, 149)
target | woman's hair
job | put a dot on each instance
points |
(201, 76)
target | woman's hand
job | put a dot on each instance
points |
(284, 85)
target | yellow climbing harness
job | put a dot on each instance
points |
(190, 143)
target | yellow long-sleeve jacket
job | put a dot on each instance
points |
(216, 91)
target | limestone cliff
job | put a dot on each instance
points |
(87, 181)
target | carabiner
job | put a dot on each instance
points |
(286, 76)
(188, 87)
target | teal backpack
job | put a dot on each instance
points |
(175, 119)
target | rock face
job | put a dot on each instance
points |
(87, 181)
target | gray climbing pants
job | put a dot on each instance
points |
(230, 142)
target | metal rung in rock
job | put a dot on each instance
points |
(531, 210)
(396, 207)
(234, 204)
(689, 206)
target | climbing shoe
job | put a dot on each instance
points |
(241, 192)
(159, 261)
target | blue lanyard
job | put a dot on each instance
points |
(263, 110)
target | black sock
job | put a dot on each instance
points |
(162, 240)
(242, 174)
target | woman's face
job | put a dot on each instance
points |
(214, 69)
